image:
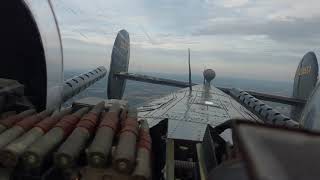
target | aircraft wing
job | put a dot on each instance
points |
(169, 82)
(151, 79)
(189, 112)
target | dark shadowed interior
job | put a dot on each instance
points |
(22, 52)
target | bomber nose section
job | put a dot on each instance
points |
(208, 75)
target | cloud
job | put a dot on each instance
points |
(295, 29)
(286, 9)
(282, 20)
(230, 3)
(231, 36)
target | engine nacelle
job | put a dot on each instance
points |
(32, 50)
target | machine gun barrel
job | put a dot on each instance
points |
(70, 150)
(35, 154)
(98, 151)
(75, 85)
(265, 112)
(9, 156)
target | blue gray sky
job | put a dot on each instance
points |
(256, 39)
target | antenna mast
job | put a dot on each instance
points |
(190, 82)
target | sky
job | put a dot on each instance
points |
(255, 39)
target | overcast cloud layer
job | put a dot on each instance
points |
(243, 38)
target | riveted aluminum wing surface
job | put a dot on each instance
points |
(189, 113)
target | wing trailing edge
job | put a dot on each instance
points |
(169, 82)
(152, 80)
